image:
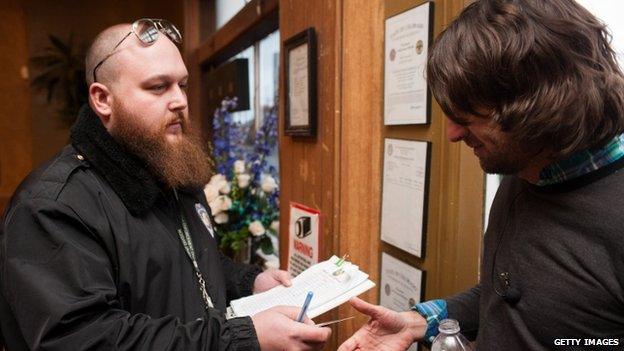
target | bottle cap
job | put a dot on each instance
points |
(449, 326)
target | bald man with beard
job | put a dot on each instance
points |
(104, 247)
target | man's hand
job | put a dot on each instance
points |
(386, 330)
(269, 279)
(277, 329)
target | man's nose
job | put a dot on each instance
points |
(178, 100)
(455, 132)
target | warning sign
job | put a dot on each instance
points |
(303, 238)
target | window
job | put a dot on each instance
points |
(236, 30)
(263, 59)
(226, 9)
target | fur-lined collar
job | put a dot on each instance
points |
(126, 173)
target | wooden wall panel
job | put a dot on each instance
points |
(307, 165)
(361, 143)
(192, 35)
(15, 119)
(309, 170)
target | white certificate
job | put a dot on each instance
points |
(400, 287)
(405, 60)
(403, 196)
(298, 71)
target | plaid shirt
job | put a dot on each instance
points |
(582, 162)
(575, 166)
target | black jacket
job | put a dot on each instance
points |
(90, 259)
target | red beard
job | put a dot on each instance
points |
(181, 164)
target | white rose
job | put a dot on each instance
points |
(275, 226)
(221, 218)
(239, 166)
(256, 228)
(225, 188)
(211, 192)
(220, 183)
(215, 206)
(220, 204)
(268, 184)
(243, 180)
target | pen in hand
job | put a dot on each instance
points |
(304, 309)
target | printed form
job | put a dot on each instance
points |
(331, 284)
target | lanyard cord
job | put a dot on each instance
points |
(185, 237)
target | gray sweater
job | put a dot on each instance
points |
(563, 249)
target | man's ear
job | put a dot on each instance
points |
(101, 100)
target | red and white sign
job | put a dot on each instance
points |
(303, 238)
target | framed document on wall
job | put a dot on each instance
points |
(401, 287)
(406, 96)
(404, 194)
(300, 73)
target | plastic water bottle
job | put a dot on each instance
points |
(449, 338)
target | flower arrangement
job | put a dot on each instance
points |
(244, 194)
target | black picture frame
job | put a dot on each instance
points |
(306, 37)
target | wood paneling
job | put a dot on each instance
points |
(15, 119)
(310, 167)
(360, 143)
(192, 31)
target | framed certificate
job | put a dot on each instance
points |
(300, 73)
(404, 195)
(406, 96)
(401, 287)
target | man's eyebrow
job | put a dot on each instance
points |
(164, 77)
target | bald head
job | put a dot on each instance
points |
(102, 46)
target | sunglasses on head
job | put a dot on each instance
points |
(146, 29)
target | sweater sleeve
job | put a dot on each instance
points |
(60, 284)
(464, 307)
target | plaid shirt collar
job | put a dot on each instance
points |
(582, 162)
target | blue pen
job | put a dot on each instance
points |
(304, 309)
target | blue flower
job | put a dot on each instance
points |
(249, 203)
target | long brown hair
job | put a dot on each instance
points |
(543, 69)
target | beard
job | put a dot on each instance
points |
(180, 164)
(506, 157)
(499, 164)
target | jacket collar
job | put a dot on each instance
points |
(126, 173)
